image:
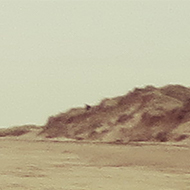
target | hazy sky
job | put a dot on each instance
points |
(56, 54)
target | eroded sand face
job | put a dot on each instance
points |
(29, 165)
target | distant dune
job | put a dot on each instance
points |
(147, 114)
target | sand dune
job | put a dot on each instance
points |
(147, 114)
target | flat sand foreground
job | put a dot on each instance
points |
(41, 165)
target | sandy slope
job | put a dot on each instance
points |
(29, 165)
(147, 114)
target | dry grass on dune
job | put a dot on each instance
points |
(148, 114)
(17, 131)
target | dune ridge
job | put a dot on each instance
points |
(144, 114)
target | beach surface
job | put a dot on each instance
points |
(51, 165)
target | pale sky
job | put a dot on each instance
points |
(60, 54)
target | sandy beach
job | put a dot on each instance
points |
(48, 165)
